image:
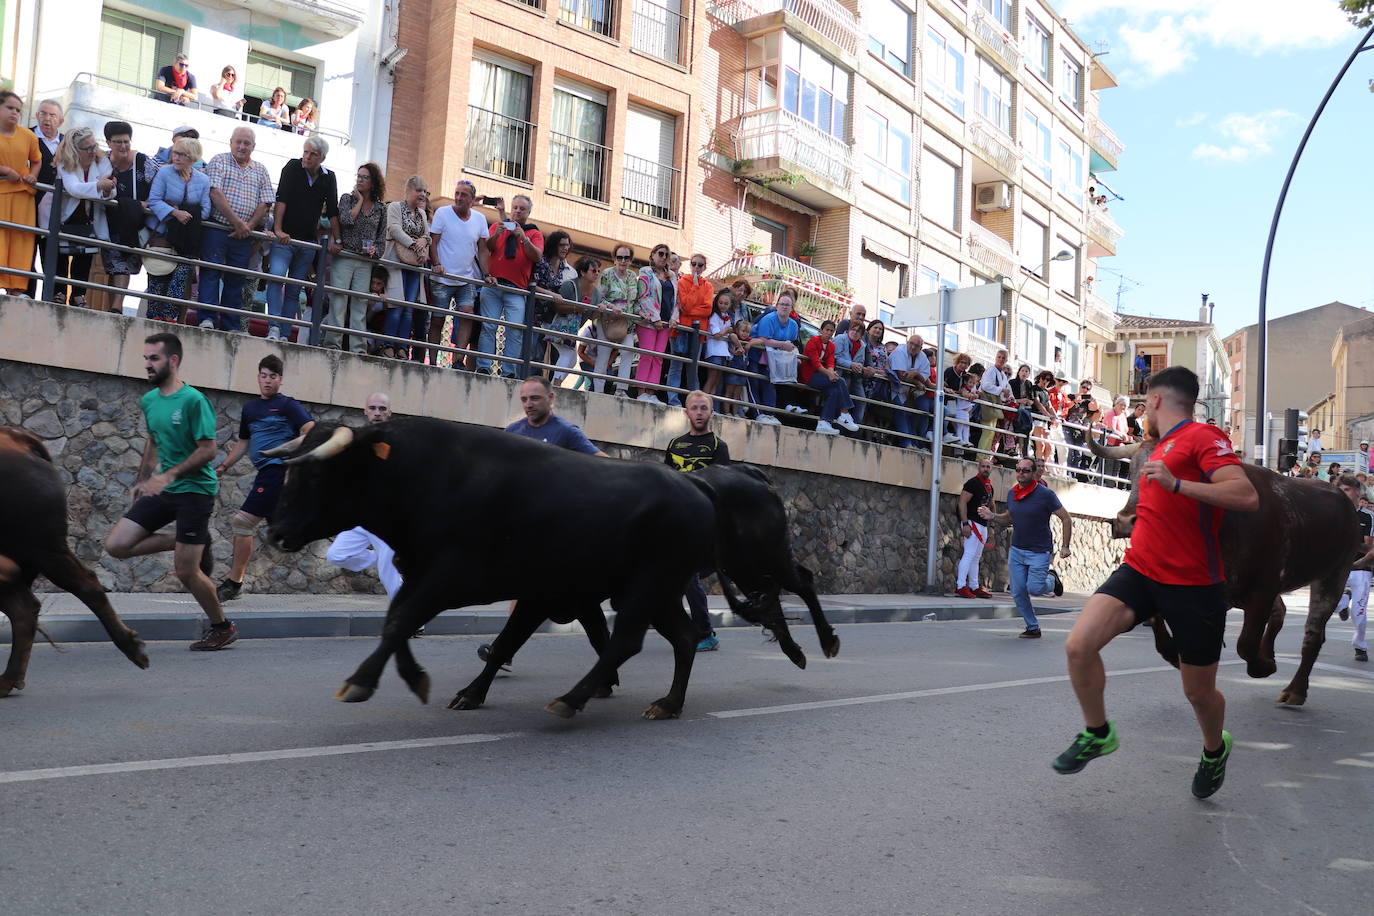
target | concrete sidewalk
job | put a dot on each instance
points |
(175, 616)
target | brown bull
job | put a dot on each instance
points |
(1303, 533)
(33, 542)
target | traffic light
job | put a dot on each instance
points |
(1295, 428)
(1288, 454)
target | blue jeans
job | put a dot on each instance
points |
(919, 424)
(762, 388)
(508, 304)
(681, 345)
(399, 319)
(834, 395)
(218, 287)
(286, 261)
(461, 295)
(1027, 570)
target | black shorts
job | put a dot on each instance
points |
(262, 498)
(1196, 614)
(190, 510)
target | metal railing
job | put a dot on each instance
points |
(650, 188)
(822, 295)
(989, 141)
(593, 15)
(777, 132)
(498, 143)
(660, 31)
(578, 167)
(991, 251)
(905, 420)
(1101, 228)
(991, 33)
(1102, 139)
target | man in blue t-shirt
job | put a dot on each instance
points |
(1029, 507)
(272, 420)
(536, 397)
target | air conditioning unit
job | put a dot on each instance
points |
(995, 195)
(1114, 348)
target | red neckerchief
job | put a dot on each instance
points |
(987, 485)
(181, 77)
(1019, 492)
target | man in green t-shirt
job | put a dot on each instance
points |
(181, 442)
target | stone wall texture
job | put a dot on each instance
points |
(857, 536)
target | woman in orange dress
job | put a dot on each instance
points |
(19, 165)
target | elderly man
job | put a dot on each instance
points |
(515, 246)
(241, 191)
(358, 549)
(458, 233)
(305, 190)
(857, 314)
(50, 118)
(912, 367)
(994, 389)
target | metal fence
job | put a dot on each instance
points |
(798, 408)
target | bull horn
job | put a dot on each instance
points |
(285, 448)
(336, 443)
(1118, 452)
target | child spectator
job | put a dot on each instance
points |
(717, 343)
(738, 339)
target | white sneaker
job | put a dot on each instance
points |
(273, 334)
(650, 399)
(769, 419)
(825, 429)
(207, 324)
(795, 408)
(847, 422)
(950, 437)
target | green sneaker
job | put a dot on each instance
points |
(1085, 747)
(1212, 773)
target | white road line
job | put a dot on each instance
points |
(289, 753)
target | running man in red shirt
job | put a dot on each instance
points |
(1171, 569)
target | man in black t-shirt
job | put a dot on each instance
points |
(692, 451)
(977, 493)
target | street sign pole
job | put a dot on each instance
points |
(937, 441)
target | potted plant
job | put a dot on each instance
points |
(806, 251)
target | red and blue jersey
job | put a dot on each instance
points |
(1175, 539)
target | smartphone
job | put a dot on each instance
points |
(510, 225)
(488, 201)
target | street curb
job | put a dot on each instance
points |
(188, 625)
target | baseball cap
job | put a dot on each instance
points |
(186, 130)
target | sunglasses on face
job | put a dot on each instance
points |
(698, 263)
(623, 257)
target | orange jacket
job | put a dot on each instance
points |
(694, 301)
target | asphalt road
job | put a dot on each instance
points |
(909, 775)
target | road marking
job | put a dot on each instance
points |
(1351, 865)
(1353, 762)
(211, 760)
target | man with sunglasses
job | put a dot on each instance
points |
(1029, 507)
(175, 83)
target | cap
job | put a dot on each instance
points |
(186, 130)
(1364, 441)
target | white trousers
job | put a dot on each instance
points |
(958, 412)
(1358, 602)
(973, 555)
(357, 549)
(604, 351)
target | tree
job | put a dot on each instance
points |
(1360, 12)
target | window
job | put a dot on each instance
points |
(1068, 171)
(776, 232)
(133, 49)
(1001, 11)
(889, 33)
(992, 94)
(1064, 274)
(887, 160)
(813, 88)
(650, 180)
(500, 136)
(593, 15)
(1035, 140)
(659, 29)
(266, 72)
(944, 72)
(1037, 48)
(1071, 358)
(1034, 239)
(939, 190)
(884, 281)
(1030, 342)
(930, 281)
(577, 156)
(1071, 81)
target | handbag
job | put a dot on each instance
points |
(184, 238)
(158, 267)
(782, 365)
(86, 230)
(614, 328)
(411, 257)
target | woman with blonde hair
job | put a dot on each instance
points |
(407, 241)
(657, 301)
(87, 178)
(20, 161)
(306, 118)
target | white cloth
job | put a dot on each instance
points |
(973, 555)
(720, 347)
(76, 188)
(1358, 602)
(456, 248)
(358, 549)
(603, 360)
(997, 382)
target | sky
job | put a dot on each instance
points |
(1213, 99)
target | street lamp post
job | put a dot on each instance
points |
(1064, 255)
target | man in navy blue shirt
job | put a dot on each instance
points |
(1029, 507)
(536, 397)
(272, 420)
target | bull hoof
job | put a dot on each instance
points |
(797, 656)
(601, 693)
(1292, 698)
(420, 687)
(352, 693)
(6, 686)
(832, 648)
(463, 701)
(656, 711)
(561, 708)
(1261, 667)
(133, 651)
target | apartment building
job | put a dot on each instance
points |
(1167, 342)
(100, 57)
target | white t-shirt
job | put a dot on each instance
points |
(718, 347)
(458, 239)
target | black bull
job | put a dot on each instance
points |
(477, 515)
(33, 542)
(1303, 533)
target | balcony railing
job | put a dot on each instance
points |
(1102, 229)
(990, 143)
(1096, 312)
(499, 144)
(593, 15)
(660, 32)
(650, 188)
(991, 33)
(578, 167)
(1105, 142)
(779, 133)
(991, 251)
(822, 296)
(828, 18)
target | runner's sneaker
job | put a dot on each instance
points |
(1058, 584)
(1029, 633)
(216, 638)
(1361, 655)
(229, 590)
(709, 644)
(981, 593)
(1085, 747)
(1211, 772)
(964, 591)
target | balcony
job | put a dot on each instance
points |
(776, 144)
(499, 144)
(822, 296)
(1102, 231)
(331, 18)
(990, 33)
(1106, 148)
(992, 253)
(596, 16)
(990, 144)
(1101, 321)
(650, 189)
(578, 167)
(825, 19)
(660, 32)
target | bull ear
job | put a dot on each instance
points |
(339, 440)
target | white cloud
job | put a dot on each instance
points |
(1193, 120)
(1160, 37)
(1242, 137)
